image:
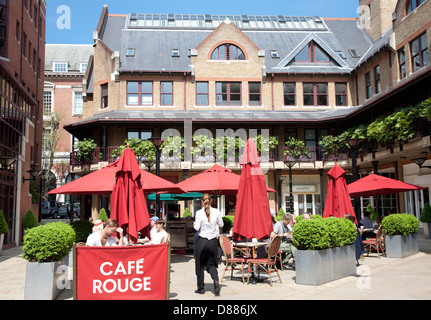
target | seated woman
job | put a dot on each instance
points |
(159, 235)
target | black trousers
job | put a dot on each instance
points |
(206, 259)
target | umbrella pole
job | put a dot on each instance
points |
(377, 209)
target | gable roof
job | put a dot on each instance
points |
(153, 44)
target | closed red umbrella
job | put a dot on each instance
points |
(376, 185)
(216, 180)
(252, 213)
(128, 205)
(337, 201)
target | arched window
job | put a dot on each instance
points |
(227, 52)
(412, 5)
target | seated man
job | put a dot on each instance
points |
(105, 237)
(368, 225)
(284, 229)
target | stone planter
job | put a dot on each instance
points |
(46, 280)
(401, 246)
(427, 229)
(314, 267)
(1, 242)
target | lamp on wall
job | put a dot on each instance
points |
(420, 162)
(6, 163)
(34, 172)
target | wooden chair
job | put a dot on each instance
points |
(377, 243)
(267, 263)
(231, 260)
(167, 239)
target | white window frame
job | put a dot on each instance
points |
(74, 110)
(56, 64)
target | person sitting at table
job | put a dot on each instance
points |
(368, 225)
(306, 216)
(284, 229)
(105, 237)
(159, 235)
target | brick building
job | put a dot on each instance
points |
(278, 76)
(22, 56)
(65, 67)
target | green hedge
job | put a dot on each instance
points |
(3, 225)
(426, 214)
(400, 224)
(313, 216)
(317, 234)
(82, 228)
(48, 243)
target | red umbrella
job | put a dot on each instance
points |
(252, 213)
(102, 182)
(338, 201)
(375, 185)
(216, 180)
(128, 206)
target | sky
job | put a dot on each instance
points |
(73, 21)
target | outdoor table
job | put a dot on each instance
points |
(253, 246)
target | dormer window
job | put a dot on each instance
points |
(227, 52)
(60, 66)
(175, 52)
(312, 53)
(130, 52)
(274, 54)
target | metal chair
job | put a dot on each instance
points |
(267, 263)
(231, 261)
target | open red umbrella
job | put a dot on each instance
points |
(337, 201)
(376, 185)
(102, 182)
(217, 181)
(252, 213)
(128, 205)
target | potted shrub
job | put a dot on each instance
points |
(325, 250)
(29, 221)
(84, 150)
(46, 248)
(102, 215)
(227, 223)
(187, 213)
(3, 229)
(296, 150)
(425, 218)
(400, 235)
(82, 228)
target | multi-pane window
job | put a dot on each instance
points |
(254, 94)
(402, 63)
(3, 27)
(47, 103)
(341, 94)
(289, 93)
(227, 52)
(228, 93)
(104, 97)
(140, 93)
(368, 85)
(419, 48)
(377, 79)
(78, 102)
(83, 67)
(312, 53)
(166, 93)
(142, 134)
(315, 94)
(59, 66)
(202, 93)
(412, 5)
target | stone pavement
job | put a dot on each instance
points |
(376, 279)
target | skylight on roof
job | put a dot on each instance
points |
(354, 53)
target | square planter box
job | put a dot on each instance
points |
(314, 267)
(401, 246)
(427, 230)
(46, 280)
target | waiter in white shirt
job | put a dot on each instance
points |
(208, 221)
